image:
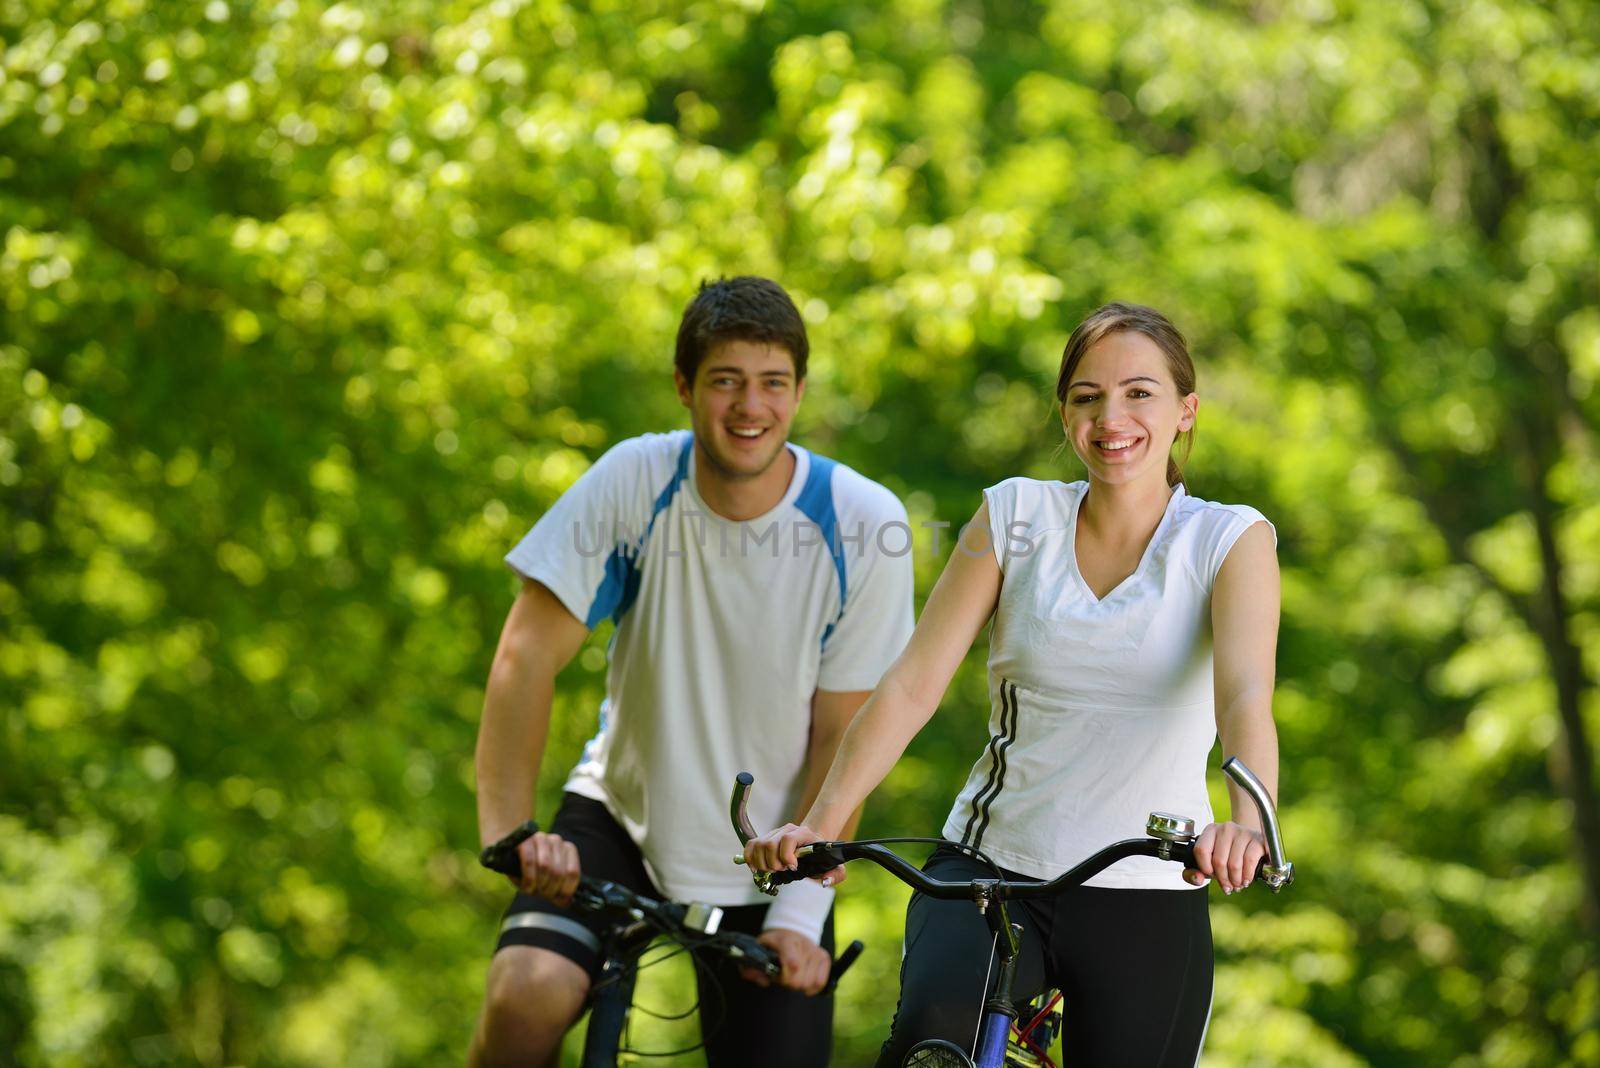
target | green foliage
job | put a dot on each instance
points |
(310, 309)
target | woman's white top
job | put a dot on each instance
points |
(1102, 708)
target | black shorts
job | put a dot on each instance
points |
(1134, 969)
(735, 1014)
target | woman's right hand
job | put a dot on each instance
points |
(775, 851)
(550, 868)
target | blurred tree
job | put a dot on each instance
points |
(309, 309)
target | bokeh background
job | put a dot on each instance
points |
(310, 309)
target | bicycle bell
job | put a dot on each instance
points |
(1170, 828)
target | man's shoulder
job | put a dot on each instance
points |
(633, 475)
(649, 453)
(858, 497)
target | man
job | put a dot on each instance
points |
(755, 609)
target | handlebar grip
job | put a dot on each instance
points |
(502, 856)
(817, 861)
(756, 955)
(1183, 853)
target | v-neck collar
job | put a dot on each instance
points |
(1144, 561)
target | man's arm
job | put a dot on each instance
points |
(539, 638)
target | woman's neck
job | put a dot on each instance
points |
(1113, 511)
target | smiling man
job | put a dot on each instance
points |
(755, 609)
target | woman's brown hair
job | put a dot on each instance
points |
(1114, 318)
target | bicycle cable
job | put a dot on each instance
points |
(683, 946)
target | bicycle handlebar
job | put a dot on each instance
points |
(1170, 838)
(679, 920)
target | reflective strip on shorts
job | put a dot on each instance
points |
(560, 925)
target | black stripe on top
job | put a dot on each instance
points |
(997, 766)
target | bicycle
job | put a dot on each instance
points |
(1001, 1042)
(639, 921)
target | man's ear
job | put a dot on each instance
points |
(799, 391)
(685, 394)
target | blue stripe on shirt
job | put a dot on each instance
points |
(619, 588)
(816, 504)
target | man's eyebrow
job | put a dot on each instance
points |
(723, 370)
(1125, 381)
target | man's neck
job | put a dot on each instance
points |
(741, 499)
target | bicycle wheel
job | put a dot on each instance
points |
(937, 1053)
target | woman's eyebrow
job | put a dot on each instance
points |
(1125, 381)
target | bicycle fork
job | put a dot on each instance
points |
(998, 1011)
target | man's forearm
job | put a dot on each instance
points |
(511, 739)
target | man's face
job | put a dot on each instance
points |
(741, 402)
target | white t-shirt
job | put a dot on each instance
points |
(725, 630)
(1102, 708)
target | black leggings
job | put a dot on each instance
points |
(1134, 968)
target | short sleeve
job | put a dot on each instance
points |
(878, 609)
(584, 547)
(1226, 523)
(1002, 502)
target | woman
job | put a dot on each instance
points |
(1132, 625)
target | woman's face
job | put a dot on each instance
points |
(1123, 410)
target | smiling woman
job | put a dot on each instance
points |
(1108, 421)
(1134, 625)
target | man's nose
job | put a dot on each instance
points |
(749, 398)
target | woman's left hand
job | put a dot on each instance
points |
(1228, 852)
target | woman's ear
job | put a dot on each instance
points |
(1191, 409)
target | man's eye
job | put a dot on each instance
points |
(722, 381)
(777, 383)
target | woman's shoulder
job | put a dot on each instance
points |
(1023, 493)
(1219, 515)
(1208, 529)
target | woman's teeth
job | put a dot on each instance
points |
(1115, 446)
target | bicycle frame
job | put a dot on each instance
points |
(613, 996)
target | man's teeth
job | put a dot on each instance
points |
(746, 433)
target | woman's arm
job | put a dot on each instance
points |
(961, 602)
(1244, 624)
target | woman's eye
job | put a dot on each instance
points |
(1138, 393)
(1083, 398)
